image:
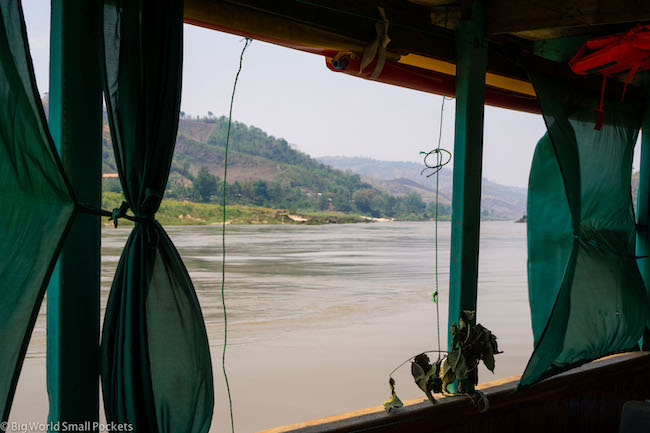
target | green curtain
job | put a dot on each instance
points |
(587, 297)
(37, 202)
(156, 368)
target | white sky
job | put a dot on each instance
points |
(293, 95)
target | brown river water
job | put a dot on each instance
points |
(319, 315)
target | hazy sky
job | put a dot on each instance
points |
(293, 95)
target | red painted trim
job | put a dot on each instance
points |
(437, 83)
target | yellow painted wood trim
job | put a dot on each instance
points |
(444, 67)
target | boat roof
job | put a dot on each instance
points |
(522, 35)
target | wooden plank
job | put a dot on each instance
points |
(270, 28)
(587, 398)
(433, 3)
(509, 16)
(347, 26)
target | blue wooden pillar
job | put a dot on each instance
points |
(471, 64)
(643, 205)
(75, 119)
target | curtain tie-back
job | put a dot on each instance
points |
(116, 214)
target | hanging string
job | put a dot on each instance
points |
(413, 357)
(443, 157)
(223, 237)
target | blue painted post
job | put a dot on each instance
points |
(75, 118)
(471, 64)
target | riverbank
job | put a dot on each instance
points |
(185, 213)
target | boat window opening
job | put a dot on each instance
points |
(319, 312)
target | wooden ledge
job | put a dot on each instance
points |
(619, 377)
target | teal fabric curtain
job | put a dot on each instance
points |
(37, 203)
(587, 297)
(156, 368)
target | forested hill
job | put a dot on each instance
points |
(266, 171)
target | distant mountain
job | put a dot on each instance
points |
(400, 178)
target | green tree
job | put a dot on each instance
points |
(413, 203)
(390, 205)
(275, 192)
(234, 192)
(261, 192)
(176, 191)
(323, 202)
(443, 209)
(185, 169)
(368, 201)
(112, 185)
(205, 185)
(247, 191)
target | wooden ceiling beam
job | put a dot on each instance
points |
(410, 30)
(341, 25)
(433, 3)
(512, 16)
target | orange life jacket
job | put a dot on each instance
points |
(610, 55)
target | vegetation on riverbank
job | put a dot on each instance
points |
(174, 212)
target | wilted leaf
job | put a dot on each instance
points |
(467, 315)
(419, 376)
(423, 361)
(455, 340)
(435, 384)
(462, 367)
(453, 358)
(434, 380)
(469, 332)
(422, 372)
(429, 374)
(493, 342)
(488, 360)
(448, 376)
(429, 392)
(393, 403)
(482, 335)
